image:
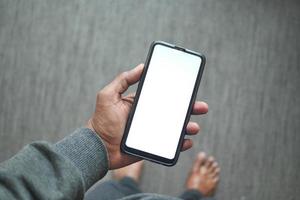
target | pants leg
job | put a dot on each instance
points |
(110, 190)
(193, 195)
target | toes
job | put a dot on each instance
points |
(209, 162)
(216, 180)
(199, 161)
(216, 172)
(213, 167)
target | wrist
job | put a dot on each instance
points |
(89, 125)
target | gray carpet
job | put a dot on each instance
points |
(55, 55)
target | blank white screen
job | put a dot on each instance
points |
(162, 107)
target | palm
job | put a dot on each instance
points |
(112, 114)
(109, 120)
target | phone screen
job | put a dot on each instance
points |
(164, 100)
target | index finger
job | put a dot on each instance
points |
(121, 83)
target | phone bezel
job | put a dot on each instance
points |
(146, 155)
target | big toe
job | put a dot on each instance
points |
(199, 161)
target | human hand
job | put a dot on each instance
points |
(111, 112)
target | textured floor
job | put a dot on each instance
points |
(55, 55)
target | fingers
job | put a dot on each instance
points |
(199, 108)
(129, 98)
(131, 95)
(187, 144)
(121, 83)
(192, 128)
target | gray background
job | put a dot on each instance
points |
(55, 55)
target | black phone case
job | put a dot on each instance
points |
(145, 155)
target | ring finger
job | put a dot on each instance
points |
(192, 128)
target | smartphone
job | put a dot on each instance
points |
(156, 124)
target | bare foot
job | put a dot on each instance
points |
(204, 176)
(133, 171)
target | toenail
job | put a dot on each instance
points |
(201, 155)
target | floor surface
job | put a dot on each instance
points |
(55, 55)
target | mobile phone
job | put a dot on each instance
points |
(163, 103)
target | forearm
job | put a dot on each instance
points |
(61, 171)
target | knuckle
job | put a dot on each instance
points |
(102, 93)
(123, 75)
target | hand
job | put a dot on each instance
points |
(110, 116)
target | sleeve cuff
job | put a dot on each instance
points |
(88, 153)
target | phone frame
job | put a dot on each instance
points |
(146, 155)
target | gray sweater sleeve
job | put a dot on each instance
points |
(64, 170)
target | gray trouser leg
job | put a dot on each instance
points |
(191, 195)
(110, 190)
(194, 195)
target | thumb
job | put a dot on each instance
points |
(122, 82)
